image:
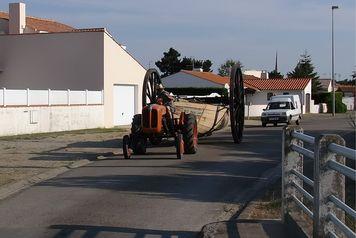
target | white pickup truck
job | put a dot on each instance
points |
(282, 109)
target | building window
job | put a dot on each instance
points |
(269, 95)
(285, 93)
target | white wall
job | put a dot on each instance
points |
(120, 68)
(57, 60)
(349, 102)
(4, 26)
(27, 120)
(74, 60)
(28, 97)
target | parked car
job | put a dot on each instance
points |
(282, 109)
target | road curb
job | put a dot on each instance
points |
(218, 228)
(12, 188)
(15, 187)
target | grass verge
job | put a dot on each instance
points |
(37, 136)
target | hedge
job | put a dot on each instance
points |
(197, 91)
(327, 98)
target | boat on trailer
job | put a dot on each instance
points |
(210, 117)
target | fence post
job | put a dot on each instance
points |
(326, 182)
(49, 97)
(4, 97)
(28, 96)
(68, 97)
(290, 160)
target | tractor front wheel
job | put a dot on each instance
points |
(138, 144)
(126, 147)
(179, 143)
(190, 134)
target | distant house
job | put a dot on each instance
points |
(42, 54)
(326, 85)
(349, 95)
(258, 91)
(266, 88)
(262, 74)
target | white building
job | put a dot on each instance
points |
(326, 85)
(42, 54)
(265, 88)
(262, 74)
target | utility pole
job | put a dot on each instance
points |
(332, 55)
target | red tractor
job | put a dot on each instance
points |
(158, 121)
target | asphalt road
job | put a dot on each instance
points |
(149, 196)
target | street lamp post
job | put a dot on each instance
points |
(332, 55)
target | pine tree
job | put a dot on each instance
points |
(169, 63)
(305, 69)
(275, 75)
(225, 68)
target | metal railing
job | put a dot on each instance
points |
(328, 184)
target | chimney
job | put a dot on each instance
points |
(17, 18)
(198, 69)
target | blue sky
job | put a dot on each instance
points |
(250, 30)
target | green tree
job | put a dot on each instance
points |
(346, 82)
(169, 63)
(207, 66)
(275, 75)
(189, 63)
(305, 69)
(224, 69)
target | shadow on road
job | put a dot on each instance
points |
(232, 169)
(84, 231)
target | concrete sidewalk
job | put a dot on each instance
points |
(28, 159)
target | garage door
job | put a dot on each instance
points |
(124, 104)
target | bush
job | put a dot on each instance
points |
(197, 91)
(328, 99)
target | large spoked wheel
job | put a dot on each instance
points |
(237, 104)
(149, 91)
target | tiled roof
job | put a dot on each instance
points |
(40, 24)
(214, 77)
(347, 88)
(209, 76)
(279, 84)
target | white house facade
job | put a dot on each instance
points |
(74, 60)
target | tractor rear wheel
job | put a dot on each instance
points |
(136, 124)
(190, 134)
